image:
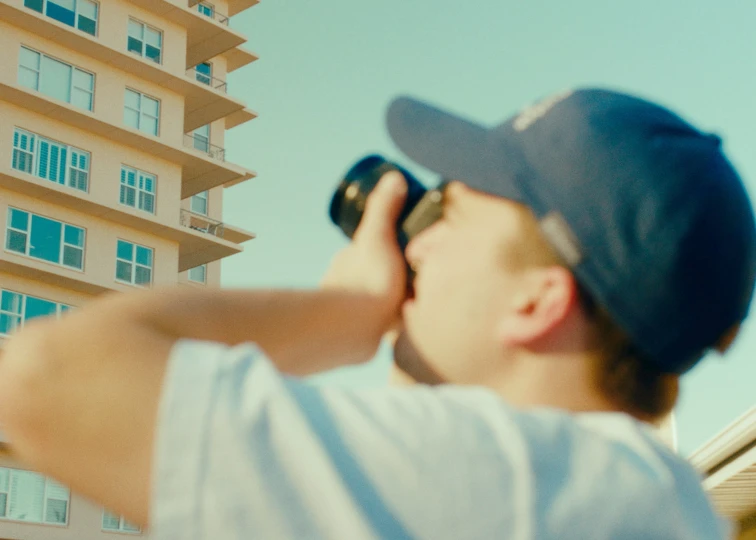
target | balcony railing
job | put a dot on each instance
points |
(204, 78)
(202, 144)
(201, 223)
(208, 11)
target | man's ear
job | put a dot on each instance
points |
(544, 301)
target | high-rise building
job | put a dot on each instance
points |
(113, 115)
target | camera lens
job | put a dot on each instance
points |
(348, 202)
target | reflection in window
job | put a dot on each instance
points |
(81, 14)
(44, 238)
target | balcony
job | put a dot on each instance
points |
(206, 37)
(201, 239)
(202, 145)
(234, 6)
(203, 103)
(208, 80)
(200, 172)
(238, 57)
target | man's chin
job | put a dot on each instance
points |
(409, 365)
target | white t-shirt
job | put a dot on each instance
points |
(243, 451)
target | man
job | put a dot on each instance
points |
(591, 250)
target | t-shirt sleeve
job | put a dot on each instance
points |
(245, 452)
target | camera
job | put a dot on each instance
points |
(421, 208)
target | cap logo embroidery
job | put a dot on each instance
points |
(532, 113)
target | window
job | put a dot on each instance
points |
(202, 138)
(198, 203)
(138, 189)
(50, 160)
(81, 14)
(17, 308)
(198, 274)
(28, 496)
(134, 263)
(206, 9)
(141, 112)
(46, 239)
(204, 72)
(55, 78)
(145, 41)
(114, 522)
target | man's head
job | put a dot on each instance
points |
(593, 225)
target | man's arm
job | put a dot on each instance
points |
(79, 396)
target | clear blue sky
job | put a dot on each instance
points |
(328, 69)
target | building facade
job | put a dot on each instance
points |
(113, 116)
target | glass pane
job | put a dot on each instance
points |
(205, 68)
(83, 80)
(128, 195)
(153, 53)
(130, 527)
(134, 45)
(36, 5)
(153, 37)
(73, 257)
(131, 99)
(22, 161)
(125, 250)
(45, 239)
(144, 256)
(29, 59)
(150, 106)
(123, 271)
(4, 481)
(131, 118)
(199, 204)
(87, 25)
(143, 276)
(11, 302)
(3, 503)
(136, 29)
(110, 521)
(74, 236)
(198, 273)
(16, 242)
(55, 80)
(28, 490)
(81, 98)
(62, 10)
(28, 78)
(87, 8)
(56, 490)
(19, 219)
(8, 323)
(201, 143)
(39, 307)
(147, 202)
(203, 131)
(56, 511)
(78, 179)
(147, 183)
(149, 125)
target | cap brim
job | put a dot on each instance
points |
(451, 146)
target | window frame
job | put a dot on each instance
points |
(72, 87)
(139, 175)
(77, 15)
(204, 274)
(140, 113)
(198, 196)
(200, 5)
(60, 308)
(28, 233)
(133, 262)
(35, 156)
(144, 27)
(47, 486)
(122, 523)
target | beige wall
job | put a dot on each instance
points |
(101, 241)
(106, 160)
(110, 83)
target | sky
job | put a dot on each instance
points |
(328, 70)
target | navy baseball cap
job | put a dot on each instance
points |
(646, 210)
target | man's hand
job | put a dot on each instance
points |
(373, 262)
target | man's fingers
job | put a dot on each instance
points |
(384, 204)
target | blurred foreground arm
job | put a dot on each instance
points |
(79, 396)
